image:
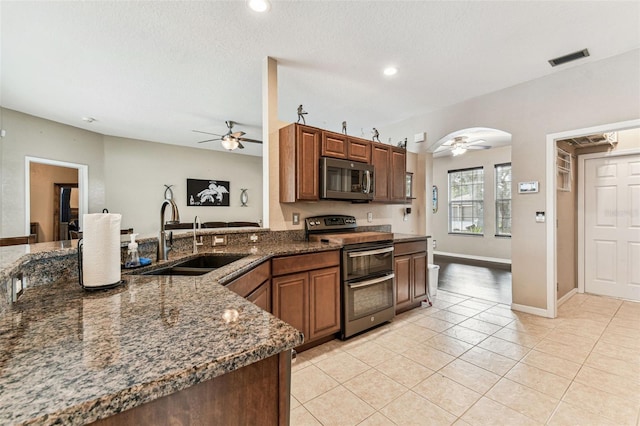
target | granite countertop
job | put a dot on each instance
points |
(404, 238)
(70, 356)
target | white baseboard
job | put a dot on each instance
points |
(567, 296)
(530, 310)
(472, 257)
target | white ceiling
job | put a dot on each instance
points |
(156, 70)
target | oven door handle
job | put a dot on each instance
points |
(371, 252)
(371, 282)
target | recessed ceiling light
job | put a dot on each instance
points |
(389, 71)
(88, 119)
(259, 5)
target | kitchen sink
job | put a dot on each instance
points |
(197, 266)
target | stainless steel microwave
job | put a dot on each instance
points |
(345, 180)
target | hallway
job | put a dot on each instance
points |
(479, 281)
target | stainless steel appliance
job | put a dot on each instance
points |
(345, 180)
(368, 284)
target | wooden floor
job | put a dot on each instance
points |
(484, 281)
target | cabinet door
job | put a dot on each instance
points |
(398, 181)
(324, 302)
(262, 296)
(403, 281)
(359, 150)
(334, 145)
(419, 261)
(380, 159)
(290, 300)
(307, 164)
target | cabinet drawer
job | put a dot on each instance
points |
(304, 262)
(245, 284)
(410, 247)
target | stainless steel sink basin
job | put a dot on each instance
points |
(197, 266)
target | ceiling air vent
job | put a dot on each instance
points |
(568, 58)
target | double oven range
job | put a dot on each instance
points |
(368, 284)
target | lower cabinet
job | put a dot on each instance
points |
(411, 274)
(306, 293)
(255, 286)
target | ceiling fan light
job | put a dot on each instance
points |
(229, 143)
(458, 150)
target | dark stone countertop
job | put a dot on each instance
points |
(69, 356)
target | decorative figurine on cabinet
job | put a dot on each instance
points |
(403, 144)
(301, 114)
(344, 127)
(376, 135)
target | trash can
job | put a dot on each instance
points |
(433, 279)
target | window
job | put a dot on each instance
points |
(466, 201)
(503, 199)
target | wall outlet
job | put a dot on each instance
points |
(17, 287)
(296, 218)
(434, 244)
(219, 240)
(369, 217)
(253, 238)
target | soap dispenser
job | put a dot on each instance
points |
(133, 259)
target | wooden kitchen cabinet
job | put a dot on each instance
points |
(381, 160)
(337, 145)
(411, 274)
(390, 173)
(255, 286)
(306, 293)
(299, 163)
(359, 150)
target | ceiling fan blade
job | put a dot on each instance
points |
(240, 146)
(206, 133)
(478, 147)
(476, 142)
(237, 134)
(249, 140)
(210, 140)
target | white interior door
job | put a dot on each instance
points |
(612, 226)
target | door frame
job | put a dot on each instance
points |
(550, 189)
(83, 185)
(581, 207)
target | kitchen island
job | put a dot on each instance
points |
(69, 356)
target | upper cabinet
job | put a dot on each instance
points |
(390, 173)
(300, 150)
(299, 163)
(337, 145)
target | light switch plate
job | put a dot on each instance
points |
(369, 217)
(540, 217)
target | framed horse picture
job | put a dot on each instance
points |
(203, 192)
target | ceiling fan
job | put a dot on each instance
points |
(230, 140)
(460, 144)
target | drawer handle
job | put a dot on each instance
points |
(371, 252)
(371, 282)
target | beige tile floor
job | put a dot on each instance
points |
(467, 361)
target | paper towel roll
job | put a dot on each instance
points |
(101, 249)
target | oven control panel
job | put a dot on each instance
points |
(330, 223)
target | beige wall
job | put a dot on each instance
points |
(136, 172)
(42, 179)
(573, 97)
(31, 136)
(125, 176)
(488, 245)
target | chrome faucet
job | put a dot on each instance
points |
(163, 247)
(196, 221)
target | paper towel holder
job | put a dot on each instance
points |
(92, 288)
